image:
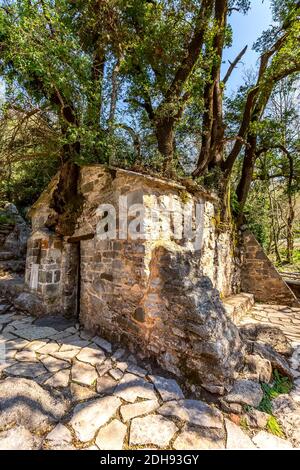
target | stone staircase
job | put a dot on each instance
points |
(237, 306)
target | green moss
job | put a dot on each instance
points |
(184, 196)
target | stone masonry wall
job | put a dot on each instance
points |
(260, 277)
(158, 294)
(51, 272)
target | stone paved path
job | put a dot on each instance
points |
(281, 316)
(62, 388)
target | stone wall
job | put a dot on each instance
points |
(14, 231)
(51, 272)
(158, 294)
(260, 277)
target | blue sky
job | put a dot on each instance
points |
(246, 30)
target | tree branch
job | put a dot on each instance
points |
(193, 51)
(228, 164)
(135, 137)
(234, 64)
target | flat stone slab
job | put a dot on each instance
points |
(194, 411)
(5, 318)
(60, 438)
(199, 439)
(25, 402)
(93, 356)
(122, 366)
(37, 344)
(103, 368)
(59, 379)
(17, 324)
(41, 379)
(128, 412)
(16, 343)
(18, 438)
(6, 337)
(80, 393)
(118, 354)
(48, 348)
(26, 355)
(102, 343)
(106, 385)
(83, 373)
(33, 332)
(88, 417)
(57, 322)
(116, 374)
(65, 355)
(236, 438)
(245, 392)
(264, 440)
(152, 429)
(85, 334)
(132, 387)
(111, 436)
(168, 389)
(30, 370)
(73, 342)
(136, 370)
(60, 336)
(52, 364)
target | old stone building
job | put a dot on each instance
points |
(149, 265)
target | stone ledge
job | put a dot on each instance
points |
(237, 306)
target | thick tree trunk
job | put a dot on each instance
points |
(212, 145)
(66, 199)
(165, 140)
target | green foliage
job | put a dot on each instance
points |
(244, 424)
(274, 427)
(5, 219)
(280, 385)
(90, 67)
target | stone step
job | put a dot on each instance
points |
(237, 306)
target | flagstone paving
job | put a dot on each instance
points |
(63, 388)
(280, 316)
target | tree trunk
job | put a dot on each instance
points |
(290, 235)
(291, 216)
(207, 124)
(217, 151)
(165, 139)
(275, 234)
(66, 200)
(247, 172)
(212, 144)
